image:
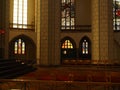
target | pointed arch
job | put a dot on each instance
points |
(20, 48)
(68, 48)
(85, 48)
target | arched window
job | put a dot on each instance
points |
(68, 49)
(19, 47)
(116, 15)
(67, 44)
(67, 14)
(20, 13)
(85, 49)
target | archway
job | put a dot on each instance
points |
(85, 49)
(68, 50)
(22, 48)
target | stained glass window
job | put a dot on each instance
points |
(19, 47)
(20, 14)
(67, 14)
(67, 44)
(84, 47)
(68, 49)
(116, 14)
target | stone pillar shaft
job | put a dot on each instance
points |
(101, 30)
(37, 28)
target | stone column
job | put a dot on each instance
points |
(6, 22)
(102, 31)
(47, 32)
(95, 31)
(37, 28)
(44, 32)
(110, 30)
(106, 31)
(57, 55)
(53, 33)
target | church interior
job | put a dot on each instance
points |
(60, 44)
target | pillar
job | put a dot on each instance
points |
(102, 31)
(37, 29)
